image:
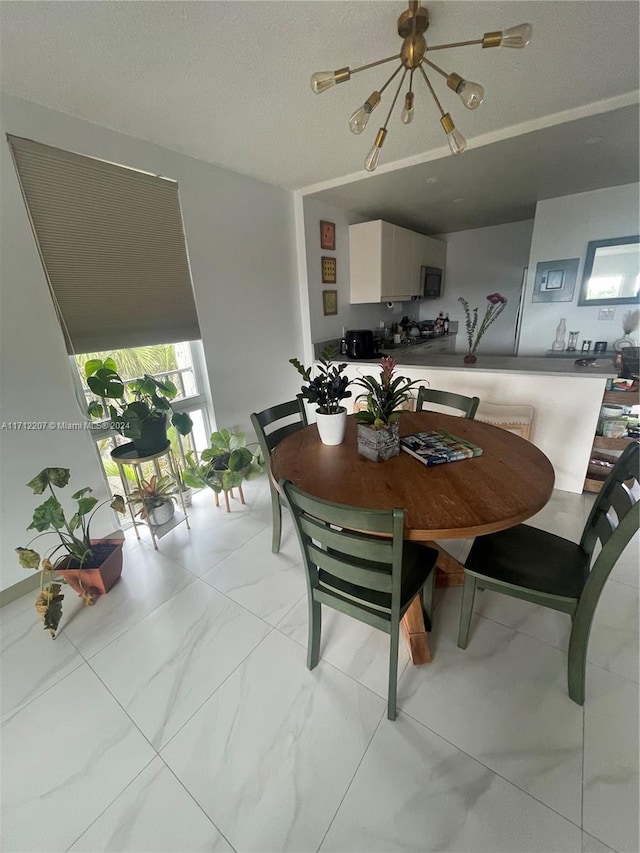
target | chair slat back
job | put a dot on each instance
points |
(283, 419)
(467, 405)
(615, 516)
(351, 554)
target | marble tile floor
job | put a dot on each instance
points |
(178, 714)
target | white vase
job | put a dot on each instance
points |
(331, 427)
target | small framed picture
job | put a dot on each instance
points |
(552, 280)
(328, 270)
(329, 302)
(555, 280)
(327, 235)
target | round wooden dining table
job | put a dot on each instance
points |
(510, 482)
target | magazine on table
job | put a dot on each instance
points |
(438, 446)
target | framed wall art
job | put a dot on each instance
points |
(329, 270)
(329, 302)
(555, 281)
(327, 235)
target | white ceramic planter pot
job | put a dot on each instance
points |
(161, 514)
(331, 427)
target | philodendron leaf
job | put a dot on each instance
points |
(236, 440)
(92, 366)
(106, 383)
(49, 606)
(28, 558)
(240, 459)
(85, 505)
(54, 476)
(95, 410)
(182, 422)
(118, 504)
(81, 493)
(49, 514)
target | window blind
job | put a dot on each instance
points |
(112, 244)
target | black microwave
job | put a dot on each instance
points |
(431, 280)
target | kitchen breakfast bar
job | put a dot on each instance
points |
(566, 397)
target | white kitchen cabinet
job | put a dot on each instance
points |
(383, 262)
(428, 252)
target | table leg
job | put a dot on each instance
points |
(414, 632)
(449, 571)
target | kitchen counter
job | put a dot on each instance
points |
(533, 365)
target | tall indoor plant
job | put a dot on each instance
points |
(326, 390)
(138, 409)
(89, 566)
(378, 431)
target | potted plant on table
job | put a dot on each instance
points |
(223, 466)
(326, 390)
(378, 431)
(143, 418)
(90, 566)
(154, 499)
(497, 304)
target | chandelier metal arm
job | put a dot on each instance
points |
(395, 73)
(455, 44)
(435, 97)
(373, 64)
(395, 98)
(436, 68)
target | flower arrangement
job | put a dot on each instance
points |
(496, 306)
(384, 397)
(329, 387)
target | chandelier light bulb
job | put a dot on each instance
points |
(406, 116)
(373, 156)
(360, 118)
(519, 36)
(323, 80)
(457, 142)
(471, 94)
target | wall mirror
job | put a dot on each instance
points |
(611, 272)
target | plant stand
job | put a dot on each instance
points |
(126, 454)
(216, 497)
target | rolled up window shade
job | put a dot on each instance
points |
(113, 248)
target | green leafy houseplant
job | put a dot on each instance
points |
(150, 403)
(152, 494)
(224, 465)
(329, 387)
(75, 549)
(384, 396)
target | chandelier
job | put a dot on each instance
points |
(412, 23)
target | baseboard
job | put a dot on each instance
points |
(11, 593)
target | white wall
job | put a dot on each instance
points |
(479, 262)
(349, 316)
(562, 229)
(240, 237)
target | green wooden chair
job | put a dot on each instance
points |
(357, 562)
(271, 426)
(554, 572)
(467, 405)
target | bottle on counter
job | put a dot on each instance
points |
(445, 325)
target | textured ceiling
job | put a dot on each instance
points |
(228, 82)
(503, 181)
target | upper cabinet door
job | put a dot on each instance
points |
(400, 282)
